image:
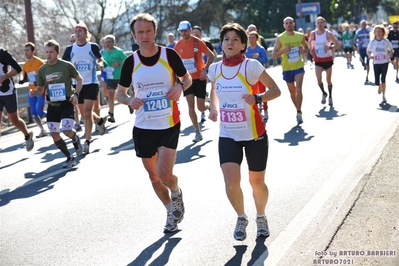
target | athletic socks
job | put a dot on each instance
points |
(63, 148)
(322, 88)
(330, 90)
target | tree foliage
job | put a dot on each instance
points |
(55, 19)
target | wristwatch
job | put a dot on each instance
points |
(76, 94)
(183, 86)
(258, 98)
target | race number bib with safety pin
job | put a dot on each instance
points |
(32, 77)
(57, 92)
(190, 65)
(110, 72)
(232, 116)
(293, 55)
(156, 108)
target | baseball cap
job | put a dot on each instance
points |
(184, 25)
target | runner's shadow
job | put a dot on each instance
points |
(33, 187)
(11, 164)
(163, 258)
(294, 136)
(260, 253)
(330, 114)
(125, 146)
(237, 258)
(191, 152)
(387, 107)
(14, 147)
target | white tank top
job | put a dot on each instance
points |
(319, 45)
(84, 60)
(238, 120)
(150, 84)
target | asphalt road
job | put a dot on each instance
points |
(104, 211)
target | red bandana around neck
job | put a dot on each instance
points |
(233, 61)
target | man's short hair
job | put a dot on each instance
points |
(31, 45)
(146, 17)
(53, 43)
(197, 28)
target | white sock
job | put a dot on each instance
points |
(168, 206)
(175, 194)
(243, 216)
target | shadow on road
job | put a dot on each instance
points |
(330, 114)
(191, 152)
(35, 187)
(294, 136)
(163, 258)
(11, 164)
(388, 107)
(258, 256)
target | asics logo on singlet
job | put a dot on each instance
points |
(379, 49)
(154, 93)
(230, 105)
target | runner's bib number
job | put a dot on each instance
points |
(190, 65)
(380, 57)
(232, 116)
(156, 108)
(110, 72)
(293, 55)
(32, 78)
(83, 66)
(57, 92)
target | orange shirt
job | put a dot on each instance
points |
(30, 68)
(186, 51)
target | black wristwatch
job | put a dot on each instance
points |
(183, 86)
(258, 98)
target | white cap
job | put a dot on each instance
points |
(184, 25)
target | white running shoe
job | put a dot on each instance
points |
(240, 232)
(70, 162)
(42, 134)
(262, 227)
(198, 136)
(29, 142)
(86, 148)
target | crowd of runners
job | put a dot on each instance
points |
(240, 90)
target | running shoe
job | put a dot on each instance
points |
(101, 128)
(240, 232)
(29, 141)
(171, 224)
(203, 118)
(299, 119)
(78, 146)
(70, 162)
(330, 101)
(384, 100)
(111, 117)
(323, 98)
(178, 208)
(77, 128)
(42, 134)
(397, 80)
(262, 227)
(367, 80)
(86, 148)
(198, 137)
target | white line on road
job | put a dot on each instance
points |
(283, 242)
